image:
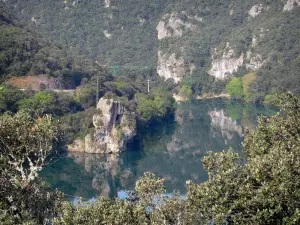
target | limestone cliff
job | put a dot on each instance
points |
(290, 4)
(114, 127)
(256, 10)
(132, 32)
(223, 66)
(175, 25)
(254, 61)
(107, 3)
(172, 26)
(168, 66)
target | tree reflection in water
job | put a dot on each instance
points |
(172, 150)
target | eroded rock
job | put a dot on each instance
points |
(107, 3)
(255, 62)
(256, 10)
(172, 26)
(291, 4)
(168, 66)
(114, 127)
(223, 66)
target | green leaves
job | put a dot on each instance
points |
(25, 144)
(158, 105)
(265, 188)
(186, 91)
(235, 88)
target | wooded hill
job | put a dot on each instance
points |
(124, 32)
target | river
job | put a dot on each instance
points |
(172, 150)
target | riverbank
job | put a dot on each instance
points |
(183, 99)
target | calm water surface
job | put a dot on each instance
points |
(172, 150)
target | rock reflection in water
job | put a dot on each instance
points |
(106, 170)
(172, 150)
(225, 124)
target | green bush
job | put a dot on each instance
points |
(235, 88)
(262, 188)
(186, 91)
(160, 104)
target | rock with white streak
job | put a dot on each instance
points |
(291, 4)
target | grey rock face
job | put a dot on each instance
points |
(291, 4)
(114, 127)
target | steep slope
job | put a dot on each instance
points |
(25, 52)
(204, 41)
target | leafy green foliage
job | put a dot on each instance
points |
(45, 102)
(25, 144)
(186, 91)
(23, 51)
(9, 97)
(235, 88)
(77, 125)
(259, 189)
(160, 104)
(38, 103)
(247, 80)
(83, 29)
(264, 190)
(26, 52)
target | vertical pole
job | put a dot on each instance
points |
(115, 71)
(148, 85)
(97, 98)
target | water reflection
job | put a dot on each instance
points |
(171, 150)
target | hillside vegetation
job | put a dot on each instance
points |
(260, 187)
(263, 34)
(24, 51)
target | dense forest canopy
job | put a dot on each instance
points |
(260, 187)
(49, 46)
(124, 32)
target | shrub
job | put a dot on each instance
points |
(235, 88)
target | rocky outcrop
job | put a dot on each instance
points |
(172, 26)
(107, 35)
(168, 66)
(114, 127)
(175, 25)
(107, 3)
(255, 62)
(291, 4)
(225, 124)
(223, 66)
(77, 146)
(256, 10)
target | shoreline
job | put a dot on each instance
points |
(183, 99)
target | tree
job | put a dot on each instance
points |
(38, 104)
(235, 88)
(157, 105)
(25, 145)
(186, 91)
(264, 188)
(148, 204)
(9, 96)
(247, 80)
